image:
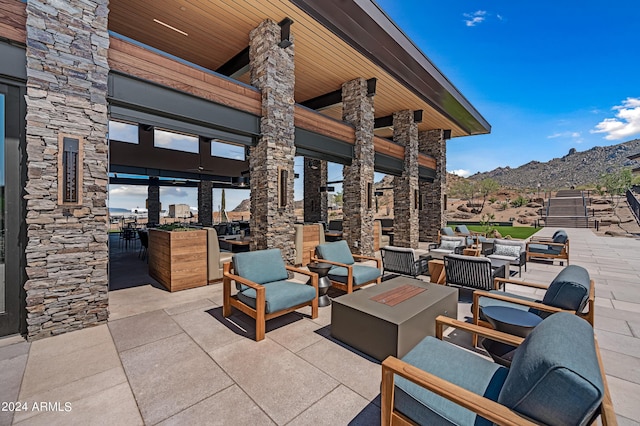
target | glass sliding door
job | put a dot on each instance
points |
(12, 228)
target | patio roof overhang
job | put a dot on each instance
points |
(335, 41)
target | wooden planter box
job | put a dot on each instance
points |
(178, 259)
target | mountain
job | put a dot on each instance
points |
(574, 169)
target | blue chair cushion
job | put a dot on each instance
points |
(261, 267)
(361, 274)
(569, 289)
(544, 249)
(279, 295)
(447, 231)
(462, 229)
(555, 377)
(337, 251)
(457, 366)
(560, 237)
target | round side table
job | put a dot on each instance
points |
(509, 320)
(322, 269)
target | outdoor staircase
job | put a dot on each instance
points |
(567, 210)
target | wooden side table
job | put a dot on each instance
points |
(436, 271)
(471, 252)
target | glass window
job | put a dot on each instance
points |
(227, 150)
(176, 141)
(123, 132)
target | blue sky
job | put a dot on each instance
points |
(547, 75)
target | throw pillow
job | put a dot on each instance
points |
(449, 245)
(510, 251)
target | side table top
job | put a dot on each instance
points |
(507, 316)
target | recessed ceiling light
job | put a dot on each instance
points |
(170, 27)
(182, 8)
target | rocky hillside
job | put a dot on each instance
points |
(574, 169)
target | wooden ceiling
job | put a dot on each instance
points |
(219, 29)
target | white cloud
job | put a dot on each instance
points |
(461, 172)
(474, 18)
(626, 123)
(128, 191)
(574, 135)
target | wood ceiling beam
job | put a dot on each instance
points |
(334, 98)
(387, 121)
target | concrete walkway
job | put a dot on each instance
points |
(173, 359)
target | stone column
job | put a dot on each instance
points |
(315, 202)
(153, 201)
(405, 187)
(432, 218)
(358, 203)
(205, 208)
(272, 215)
(66, 251)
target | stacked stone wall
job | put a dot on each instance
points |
(315, 202)
(357, 225)
(66, 251)
(272, 71)
(205, 203)
(153, 201)
(432, 216)
(406, 221)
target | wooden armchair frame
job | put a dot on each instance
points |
(563, 255)
(349, 286)
(489, 409)
(589, 316)
(259, 313)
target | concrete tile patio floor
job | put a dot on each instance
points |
(173, 359)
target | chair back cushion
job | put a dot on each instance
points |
(555, 376)
(261, 267)
(450, 243)
(560, 237)
(508, 248)
(447, 231)
(337, 251)
(462, 229)
(569, 289)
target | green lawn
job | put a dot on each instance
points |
(517, 232)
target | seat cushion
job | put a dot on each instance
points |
(224, 258)
(569, 289)
(279, 295)
(555, 377)
(361, 274)
(337, 251)
(262, 266)
(544, 249)
(455, 365)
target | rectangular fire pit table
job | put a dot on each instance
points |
(392, 317)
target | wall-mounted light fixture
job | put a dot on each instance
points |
(327, 188)
(70, 161)
(283, 178)
(369, 195)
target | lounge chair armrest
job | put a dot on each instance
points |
(313, 275)
(363, 257)
(330, 262)
(433, 246)
(244, 281)
(487, 408)
(442, 321)
(522, 283)
(506, 298)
